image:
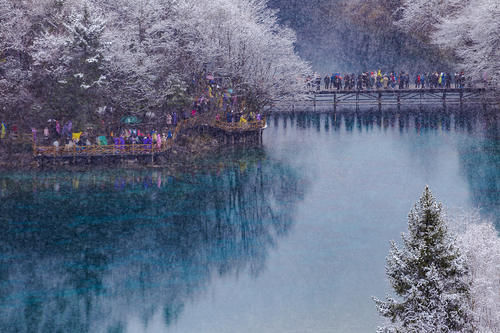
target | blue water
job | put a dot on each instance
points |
(288, 237)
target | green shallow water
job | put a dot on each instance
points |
(287, 237)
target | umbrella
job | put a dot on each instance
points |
(130, 120)
(210, 77)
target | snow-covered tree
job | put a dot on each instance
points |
(243, 40)
(474, 36)
(142, 55)
(68, 57)
(428, 275)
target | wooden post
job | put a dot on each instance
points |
(34, 146)
(152, 153)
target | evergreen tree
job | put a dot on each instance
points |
(429, 275)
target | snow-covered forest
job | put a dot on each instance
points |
(79, 58)
(76, 57)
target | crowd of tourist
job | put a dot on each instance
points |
(66, 138)
(127, 135)
(216, 95)
(379, 80)
(213, 97)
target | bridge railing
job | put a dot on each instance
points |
(17, 138)
(98, 150)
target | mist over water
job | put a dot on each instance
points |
(291, 236)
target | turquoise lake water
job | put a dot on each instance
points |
(287, 237)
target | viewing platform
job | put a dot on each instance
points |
(227, 133)
(239, 132)
(239, 127)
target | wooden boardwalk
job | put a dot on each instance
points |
(235, 131)
(98, 151)
(426, 96)
(120, 151)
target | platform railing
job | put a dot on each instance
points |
(101, 150)
(241, 126)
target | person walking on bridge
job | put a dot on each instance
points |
(317, 82)
(448, 80)
(327, 82)
(401, 80)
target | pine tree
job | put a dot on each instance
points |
(428, 274)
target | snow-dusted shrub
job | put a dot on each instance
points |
(480, 244)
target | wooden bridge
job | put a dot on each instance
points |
(397, 97)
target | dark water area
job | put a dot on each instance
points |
(287, 237)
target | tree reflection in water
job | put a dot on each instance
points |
(480, 161)
(82, 252)
(477, 129)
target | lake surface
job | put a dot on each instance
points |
(287, 237)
